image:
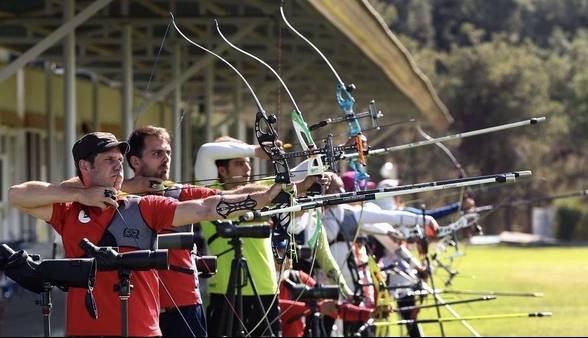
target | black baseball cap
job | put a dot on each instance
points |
(95, 143)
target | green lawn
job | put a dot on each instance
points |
(560, 273)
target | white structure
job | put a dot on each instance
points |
(544, 221)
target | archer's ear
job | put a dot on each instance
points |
(134, 162)
(222, 172)
(84, 165)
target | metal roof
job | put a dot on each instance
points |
(349, 32)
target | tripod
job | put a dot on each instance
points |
(238, 279)
(316, 325)
(46, 305)
(123, 288)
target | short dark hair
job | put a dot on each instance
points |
(90, 145)
(137, 140)
(90, 158)
(222, 163)
(225, 162)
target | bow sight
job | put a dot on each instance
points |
(372, 113)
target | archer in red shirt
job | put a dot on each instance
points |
(294, 313)
(88, 211)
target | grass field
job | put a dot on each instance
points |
(560, 273)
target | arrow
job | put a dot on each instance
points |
(387, 150)
(464, 301)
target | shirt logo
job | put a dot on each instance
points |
(83, 217)
(131, 233)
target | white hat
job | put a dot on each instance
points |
(388, 170)
(388, 183)
(387, 203)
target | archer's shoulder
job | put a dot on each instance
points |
(153, 200)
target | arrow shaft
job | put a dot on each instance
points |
(449, 137)
(494, 293)
(481, 317)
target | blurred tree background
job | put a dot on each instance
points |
(496, 62)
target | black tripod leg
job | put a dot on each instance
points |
(242, 328)
(228, 317)
(316, 325)
(46, 310)
(259, 302)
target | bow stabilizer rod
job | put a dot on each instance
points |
(435, 185)
(494, 293)
(463, 301)
(373, 322)
(369, 195)
(458, 136)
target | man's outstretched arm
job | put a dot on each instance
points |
(219, 207)
(36, 198)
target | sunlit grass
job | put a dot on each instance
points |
(561, 274)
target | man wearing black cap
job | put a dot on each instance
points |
(95, 212)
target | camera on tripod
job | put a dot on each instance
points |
(176, 240)
(305, 292)
(108, 259)
(38, 275)
(205, 265)
(227, 229)
(240, 274)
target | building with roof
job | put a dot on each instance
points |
(74, 66)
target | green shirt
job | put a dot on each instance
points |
(259, 256)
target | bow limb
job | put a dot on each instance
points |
(264, 124)
(462, 173)
(446, 150)
(345, 101)
(264, 129)
(465, 221)
(315, 165)
(300, 126)
(267, 138)
(384, 300)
